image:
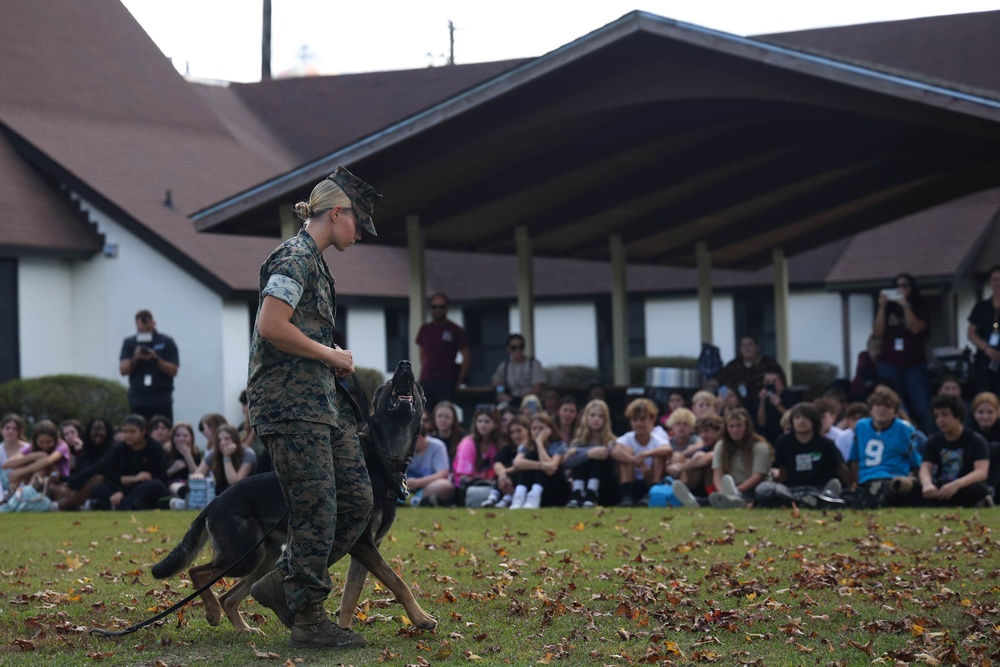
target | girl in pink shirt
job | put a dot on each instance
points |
(476, 453)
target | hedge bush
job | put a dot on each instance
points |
(814, 377)
(59, 397)
(571, 376)
(370, 379)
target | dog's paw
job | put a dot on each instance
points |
(425, 622)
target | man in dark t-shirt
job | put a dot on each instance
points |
(956, 460)
(810, 468)
(440, 341)
(150, 360)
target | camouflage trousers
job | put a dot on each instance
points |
(326, 486)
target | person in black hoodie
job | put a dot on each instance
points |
(97, 442)
(134, 470)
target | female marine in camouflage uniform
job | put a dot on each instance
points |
(310, 431)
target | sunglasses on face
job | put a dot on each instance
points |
(514, 348)
(485, 407)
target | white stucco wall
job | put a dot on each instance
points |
(672, 326)
(365, 329)
(861, 311)
(565, 333)
(74, 315)
(816, 332)
(235, 351)
(966, 300)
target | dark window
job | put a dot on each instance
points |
(397, 335)
(636, 311)
(487, 327)
(753, 313)
(10, 349)
(636, 326)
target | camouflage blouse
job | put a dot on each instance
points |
(284, 387)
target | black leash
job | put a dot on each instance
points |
(402, 492)
(98, 632)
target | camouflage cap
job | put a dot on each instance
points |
(362, 196)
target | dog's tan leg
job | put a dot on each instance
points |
(356, 575)
(232, 599)
(201, 575)
(368, 556)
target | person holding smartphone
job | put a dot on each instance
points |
(902, 322)
(984, 333)
(150, 360)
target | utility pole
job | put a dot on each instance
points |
(265, 46)
(451, 38)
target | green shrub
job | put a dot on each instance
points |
(637, 366)
(370, 379)
(571, 376)
(59, 397)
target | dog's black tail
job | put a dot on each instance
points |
(185, 552)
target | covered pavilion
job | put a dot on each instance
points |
(658, 142)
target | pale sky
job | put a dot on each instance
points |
(220, 39)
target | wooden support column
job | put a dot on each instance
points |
(781, 310)
(704, 260)
(619, 311)
(418, 286)
(845, 319)
(290, 223)
(525, 289)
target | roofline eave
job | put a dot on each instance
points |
(208, 218)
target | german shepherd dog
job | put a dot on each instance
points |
(237, 519)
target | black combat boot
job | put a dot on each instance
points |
(269, 590)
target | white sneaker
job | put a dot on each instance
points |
(520, 495)
(178, 504)
(85, 507)
(491, 499)
(533, 500)
(833, 488)
(721, 501)
(504, 502)
(683, 494)
(729, 487)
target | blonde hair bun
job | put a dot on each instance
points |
(302, 210)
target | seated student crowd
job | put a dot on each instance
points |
(139, 465)
(827, 453)
(718, 454)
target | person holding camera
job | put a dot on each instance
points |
(902, 322)
(150, 360)
(773, 400)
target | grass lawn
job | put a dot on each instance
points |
(553, 586)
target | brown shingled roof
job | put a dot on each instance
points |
(34, 218)
(961, 48)
(89, 99)
(934, 243)
(313, 115)
(112, 117)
